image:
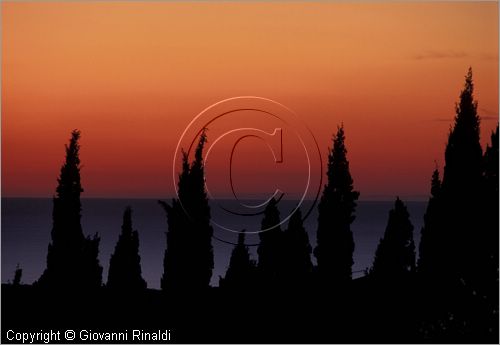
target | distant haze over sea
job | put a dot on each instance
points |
(27, 223)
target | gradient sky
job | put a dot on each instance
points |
(131, 76)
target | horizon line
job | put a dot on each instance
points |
(375, 197)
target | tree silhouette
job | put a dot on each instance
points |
(125, 263)
(459, 245)
(491, 164)
(17, 276)
(270, 250)
(297, 266)
(335, 245)
(72, 259)
(189, 260)
(491, 197)
(395, 255)
(461, 192)
(240, 274)
(430, 262)
(489, 284)
(460, 235)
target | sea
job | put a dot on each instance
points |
(26, 225)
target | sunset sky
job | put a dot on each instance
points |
(131, 76)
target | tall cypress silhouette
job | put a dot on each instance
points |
(335, 244)
(489, 284)
(491, 165)
(461, 192)
(125, 263)
(189, 259)
(491, 192)
(270, 250)
(297, 265)
(432, 242)
(72, 259)
(459, 248)
(241, 271)
(395, 255)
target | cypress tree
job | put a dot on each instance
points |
(459, 249)
(241, 271)
(188, 260)
(461, 192)
(395, 254)
(460, 235)
(431, 263)
(270, 250)
(491, 192)
(125, 263)
(72, 259)
(491, 164)
(489, 284)
(297, 252)
(335, 244)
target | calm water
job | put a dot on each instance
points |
(26, 226)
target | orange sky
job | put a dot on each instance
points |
(131, 76)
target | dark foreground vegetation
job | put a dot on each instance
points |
(449, 295)
(362, 313)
